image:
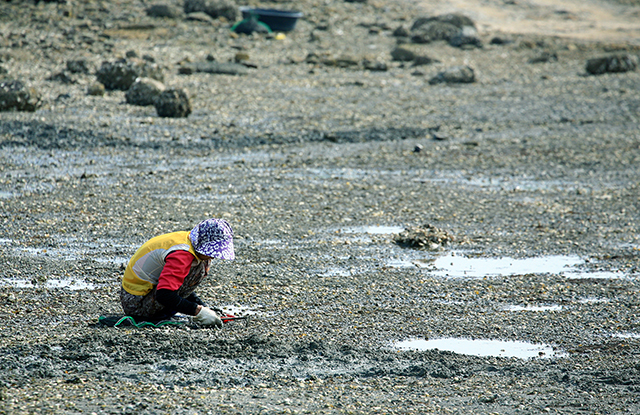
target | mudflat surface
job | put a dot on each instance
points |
(533, 169)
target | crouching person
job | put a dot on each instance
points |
(161, 278)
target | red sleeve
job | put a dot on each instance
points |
(176, 268)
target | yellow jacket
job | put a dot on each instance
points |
(144, 268)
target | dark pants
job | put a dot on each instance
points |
(145, 307)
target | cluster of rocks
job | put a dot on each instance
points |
(457, 29)
(423, 237)
(203, 10)
(142, 79)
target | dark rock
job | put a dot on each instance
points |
(613, 64)
(403, 54)
(454, 19)
(144, 91)
(375, 65)
(544, 57)
(423, 60)
(3, 70)
(456, 74)
(173, 103)
(163, 10)
(401, 31)
(342, 61)
(214, 8)
(120, 75)
(16, 96)
(220, 68)
(79, 66)
(62, 77)
(500, 41)
(434, 30)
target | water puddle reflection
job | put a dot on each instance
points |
(373, 230)
(627, 335)
(68, 283)
(485, 348)
(238, 310)
(533, 308)
(457, 265)
(592, 300)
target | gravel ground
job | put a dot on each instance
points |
(318, 167)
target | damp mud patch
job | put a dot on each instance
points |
(338, 137)
(50, 137)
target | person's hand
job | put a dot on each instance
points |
(207, 317)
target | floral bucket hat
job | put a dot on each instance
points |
(213, 238)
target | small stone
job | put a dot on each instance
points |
(403, 54)
(241, 56)
(500, 41)
(96, 89)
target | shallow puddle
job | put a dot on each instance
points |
(68, 283)
(238, 310)
(496, 348)
(457, 265)
(592, 300)
(554, 307)
(627, 335)
(373, 230)
(599, 275)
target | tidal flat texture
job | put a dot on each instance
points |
(391, 173)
